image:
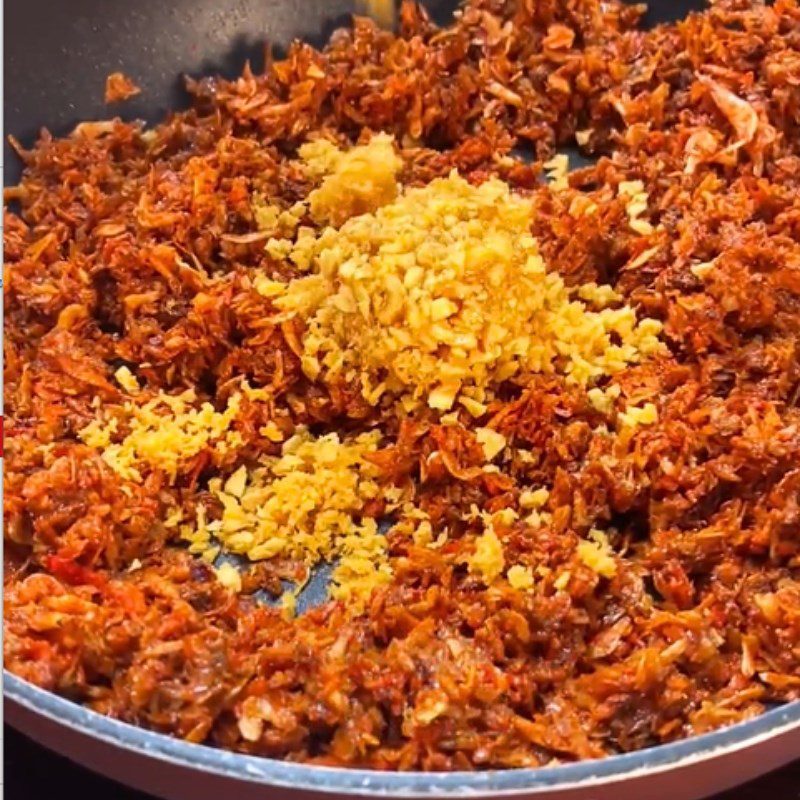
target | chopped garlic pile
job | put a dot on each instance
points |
(163, 433)
(429, 295)
(441, 294)
(306, 504)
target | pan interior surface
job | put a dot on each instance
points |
(57, 57)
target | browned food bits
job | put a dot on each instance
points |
(543, 425)
(119, 87)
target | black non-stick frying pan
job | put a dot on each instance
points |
(57, 55)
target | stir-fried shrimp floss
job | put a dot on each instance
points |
(541, 425)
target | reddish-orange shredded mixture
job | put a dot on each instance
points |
(120, 87)
(138, 248)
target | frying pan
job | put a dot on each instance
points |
(57, 55)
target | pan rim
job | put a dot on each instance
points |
(361, 782)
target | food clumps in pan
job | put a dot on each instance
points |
(441, 295)
(354, 315)
(119, 87)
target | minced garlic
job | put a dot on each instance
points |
(272, 432)
(702, 270)
(633, 416)
(562, 580)
(305, 504)
(229, 577)
(636, 205)
(487, 560)
(275, 221)
(164, 433)
(356, 181)
(596, 553)
(533, 498)
(603, 399)
(127, 380)
(491, 441)
(288, 603)
(520, 577)
(441, 294)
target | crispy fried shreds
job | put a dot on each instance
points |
(555, 569)
(119, 87)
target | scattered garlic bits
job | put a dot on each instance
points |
(636, 205)
(440, 295)
(306, 504)
(491, 441)
(229, 576)
(488, 560)
(634, 416)
(558, 171)
(163, 433)
(520, 577)
(127, 380)
(596, 553)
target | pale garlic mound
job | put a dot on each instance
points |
(306, 504)
(441, 294)
(163, 433)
